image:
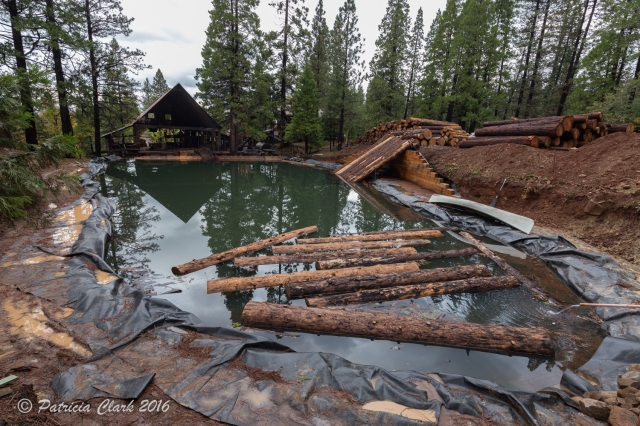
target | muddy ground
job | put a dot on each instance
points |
(554, 187)
(37, 360)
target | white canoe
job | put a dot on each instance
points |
(521, 223)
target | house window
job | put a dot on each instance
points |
(151, 115)
(167, 117)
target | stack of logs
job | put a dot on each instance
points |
(368, 268)
(425, 132)
(562, 132)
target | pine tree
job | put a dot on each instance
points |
(147, 94)
(386, 91)
(228, 56)
(104, 19)
(291, 42)
(17, 21)
(346, 67)
(159, 85)
(119, 103)
(430, 81)
(305, 124)
(415, 57)
(318, 58)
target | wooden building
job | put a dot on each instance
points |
(182, 123)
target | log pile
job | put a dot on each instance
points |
(371, 268)
(569, 131)
(420, 131)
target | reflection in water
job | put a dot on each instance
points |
(132, 233)
(171, 213)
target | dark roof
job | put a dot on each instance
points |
(180, 105)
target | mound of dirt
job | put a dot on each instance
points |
(554, 187)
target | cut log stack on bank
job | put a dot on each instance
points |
(370, 268)
(569, 131)
(420, 131)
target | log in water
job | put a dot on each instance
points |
(398, 328)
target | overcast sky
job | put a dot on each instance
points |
(172, 32)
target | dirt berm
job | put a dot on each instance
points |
(554, 187)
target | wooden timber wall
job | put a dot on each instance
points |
(412, 167)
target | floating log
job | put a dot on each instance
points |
(565, 120)
(497, 140)
(439, 228)
(472, 285)
(349, 284)
(243, 262)
(391, 235)
(398, 328)
(214, 259)
(537, 292)
(341, 262)
(309, 248)
(540, 128)
(249, 283)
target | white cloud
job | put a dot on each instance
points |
(172, 32)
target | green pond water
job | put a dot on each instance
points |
(170, 213)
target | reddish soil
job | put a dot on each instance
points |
(553, 187)
(36, 361)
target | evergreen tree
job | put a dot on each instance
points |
(105, 19)
(305, 124)
(228, 56)
(318, 58)
(386, 91)
(159, 85)
(147, 94)
(346, 68)
(291, 43)
(415, 57)
(119, 103)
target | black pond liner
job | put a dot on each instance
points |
(596, 277)
(312, 388)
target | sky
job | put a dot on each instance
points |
(172, 32)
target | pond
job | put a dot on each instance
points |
(170, 213)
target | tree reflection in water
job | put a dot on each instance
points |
(132, 233)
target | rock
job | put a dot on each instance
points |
(630, 378)
(594, 395)
(632, 399)
(594, 208)
(622, 393)
(622, 417)
(596, 409)
(634, 367)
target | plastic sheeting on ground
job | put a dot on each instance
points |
(594, 276)
(240, 378)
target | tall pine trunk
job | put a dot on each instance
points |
(536, 63)
(575, 58)
(30, 133)
(94, 83)
(233, 89)
(65, 117)
(283, 81)
(632, 95)
(528, 56)
(345, 82)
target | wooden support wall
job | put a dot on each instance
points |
(411, 166)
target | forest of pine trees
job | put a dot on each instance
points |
(477, 60)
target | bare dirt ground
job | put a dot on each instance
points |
(554, 187)
(37, 360)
